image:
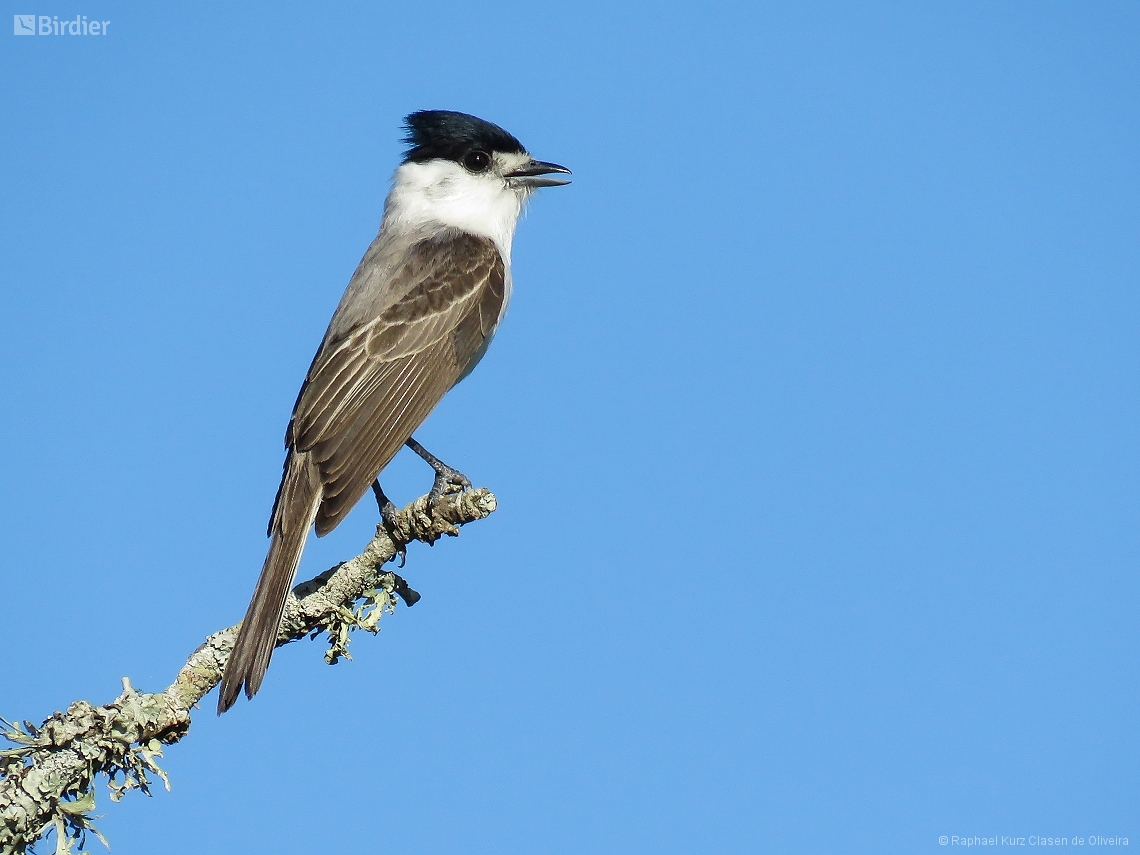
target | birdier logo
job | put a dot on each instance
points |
(51, 25)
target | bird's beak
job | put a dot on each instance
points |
(536, 173)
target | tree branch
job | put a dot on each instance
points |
(48, 780)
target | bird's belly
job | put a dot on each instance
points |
(475, 358)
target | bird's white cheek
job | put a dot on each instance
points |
(444, 193)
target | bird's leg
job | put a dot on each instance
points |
(447, 480)
(391, 517)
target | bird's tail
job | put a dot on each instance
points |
(293, 514)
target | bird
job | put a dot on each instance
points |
(417, 316)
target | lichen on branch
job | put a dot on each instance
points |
(47, 780)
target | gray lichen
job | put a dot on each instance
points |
(47, 780)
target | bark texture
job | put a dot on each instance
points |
(48, 779)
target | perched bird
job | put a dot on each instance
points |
(417, 316)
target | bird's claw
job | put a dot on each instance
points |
(391, 520)
(447, 481)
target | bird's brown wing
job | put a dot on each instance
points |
(368, 390)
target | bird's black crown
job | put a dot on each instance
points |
(446, 134)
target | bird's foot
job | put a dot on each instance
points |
(391, 519)
(447, 480)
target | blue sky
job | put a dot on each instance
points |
(813, 423)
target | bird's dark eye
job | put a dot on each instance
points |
(477, 161)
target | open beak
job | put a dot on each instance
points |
(537, 173)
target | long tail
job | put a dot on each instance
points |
(296, 507)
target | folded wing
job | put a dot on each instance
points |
(368, 390)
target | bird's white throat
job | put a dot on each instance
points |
(441, 191)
